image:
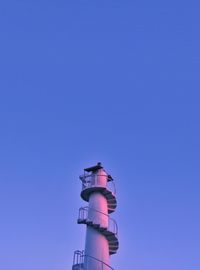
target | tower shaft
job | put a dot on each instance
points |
(101, 233)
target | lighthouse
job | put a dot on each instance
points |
(101, 241)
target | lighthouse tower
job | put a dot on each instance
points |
(98, 190)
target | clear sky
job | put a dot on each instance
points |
(112, 81)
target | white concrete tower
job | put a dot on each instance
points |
(98, 190)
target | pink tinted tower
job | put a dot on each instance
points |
(98, 190)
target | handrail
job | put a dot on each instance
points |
(102, 263)
(90, 180)
(79, 257)
(112, 225)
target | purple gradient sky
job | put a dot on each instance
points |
(111, 81)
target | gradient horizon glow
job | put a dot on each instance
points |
(110, 81)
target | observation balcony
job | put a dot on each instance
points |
(80, 262)
(92, 183)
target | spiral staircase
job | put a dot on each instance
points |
(110, 232)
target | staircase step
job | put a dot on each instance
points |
(107, 233)
(112, 252)
(114, 243)
(81, 221)
(112, 203)
(102, 229)
(96, 226)
(89, 222)
(109, 196)
(111, 239)
(111, 200)
(114, 246)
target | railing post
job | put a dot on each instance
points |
(79, 213)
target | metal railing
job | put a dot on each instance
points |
(111, 224)
(83, 259)
(78, 257)
(92, 180)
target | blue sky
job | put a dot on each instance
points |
(110, 81)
